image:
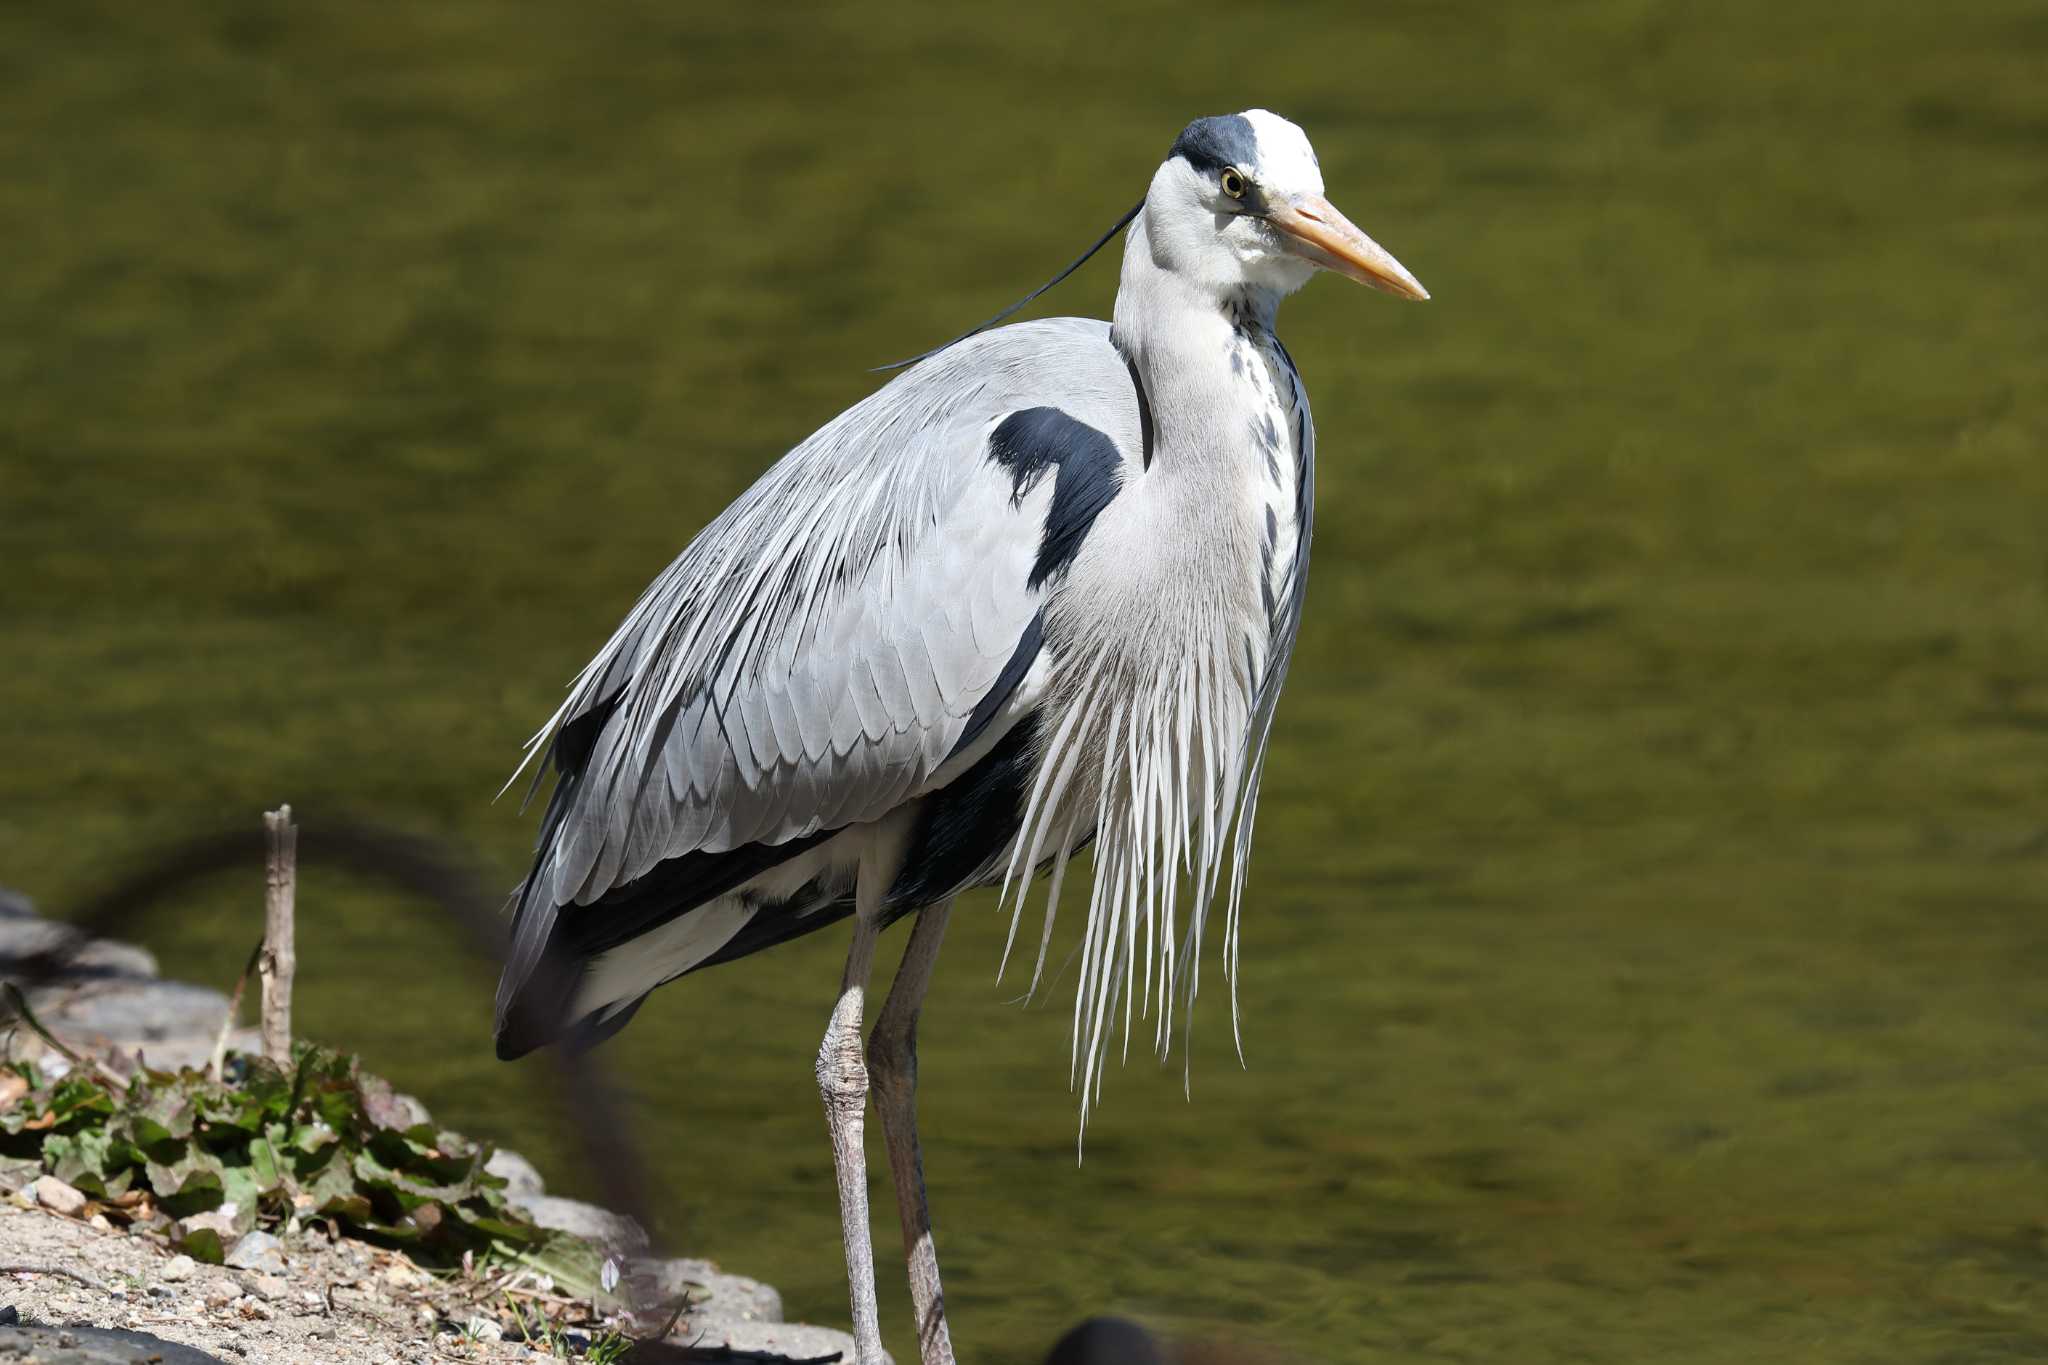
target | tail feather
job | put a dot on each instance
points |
(540, 981)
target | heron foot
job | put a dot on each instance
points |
(843, 1071)
(843, 1085)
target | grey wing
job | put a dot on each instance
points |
(821, 652)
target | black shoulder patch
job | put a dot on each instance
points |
(1087, 472)
(1210, 144)
(964, 826)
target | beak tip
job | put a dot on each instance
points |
(1333, 242)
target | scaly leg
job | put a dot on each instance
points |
(892, 1056)
(843, 1083)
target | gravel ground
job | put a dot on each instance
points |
(334, 1302)
(337, 1304)
(348, 1303)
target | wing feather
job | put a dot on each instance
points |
(813, 657)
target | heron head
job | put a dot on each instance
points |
(1239, 201)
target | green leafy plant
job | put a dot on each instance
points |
(537, 1329)
(608, 1348)
(211, 1159)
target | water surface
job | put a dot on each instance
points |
(1645, 949)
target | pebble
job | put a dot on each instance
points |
(401, 1275)
(178, 1268)
(56, 1196)
(257, 1251)
(263, 1286)
(475, 1328)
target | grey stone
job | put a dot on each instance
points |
(257, 1251)
(269, 1288)
(178, 1268)
(113, 1012)
(96, 1346)
(714, 1294)
(612, 1231)
(56, 1196)
(387, 1108)
(483, 1329)
(798, 1341)
(26, 936)
(522, 1181)
(411, 1109)
(171, 1054)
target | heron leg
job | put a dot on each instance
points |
(892, 1059)
(843, 1083)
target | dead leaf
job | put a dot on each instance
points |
(12, 1088)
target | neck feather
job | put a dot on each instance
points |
(1180, 335)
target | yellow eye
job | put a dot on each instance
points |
(1233, 182)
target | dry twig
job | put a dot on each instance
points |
(227, 1025)
(88, 1281)
(18, 1002)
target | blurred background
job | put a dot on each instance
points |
(1645, 951)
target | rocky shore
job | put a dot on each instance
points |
(75, 1287)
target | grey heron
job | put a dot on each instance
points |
(1036, 592)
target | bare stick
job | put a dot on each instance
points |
(227, 1025)
(280, 954)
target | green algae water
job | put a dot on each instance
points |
(1645, 952)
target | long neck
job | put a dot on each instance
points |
(1187, 344)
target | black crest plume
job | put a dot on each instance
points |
(977, 329)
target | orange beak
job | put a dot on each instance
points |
(1332, 241)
